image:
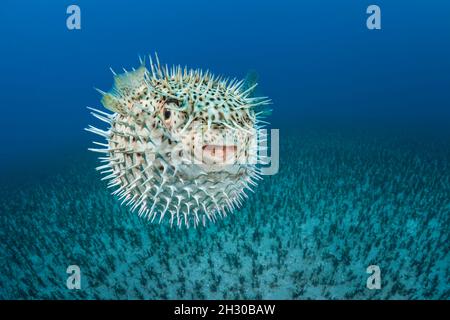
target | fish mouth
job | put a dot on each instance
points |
(217, 154)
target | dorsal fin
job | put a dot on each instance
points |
(129, 80)
(126, 85)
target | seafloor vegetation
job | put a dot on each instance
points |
(340, 203)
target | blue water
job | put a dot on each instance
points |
(364, 119)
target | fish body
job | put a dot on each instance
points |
(181, 143)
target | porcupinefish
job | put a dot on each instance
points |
(181, 143)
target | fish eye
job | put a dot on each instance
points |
(166, 111)
(167, 114)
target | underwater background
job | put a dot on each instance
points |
(364, 176)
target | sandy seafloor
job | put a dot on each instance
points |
(342, 200)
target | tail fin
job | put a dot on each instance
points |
(250, 80)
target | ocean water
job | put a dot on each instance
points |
(364, 175)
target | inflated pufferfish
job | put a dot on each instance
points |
(181, 144)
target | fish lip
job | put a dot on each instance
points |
(218, 146)
(219, 152)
